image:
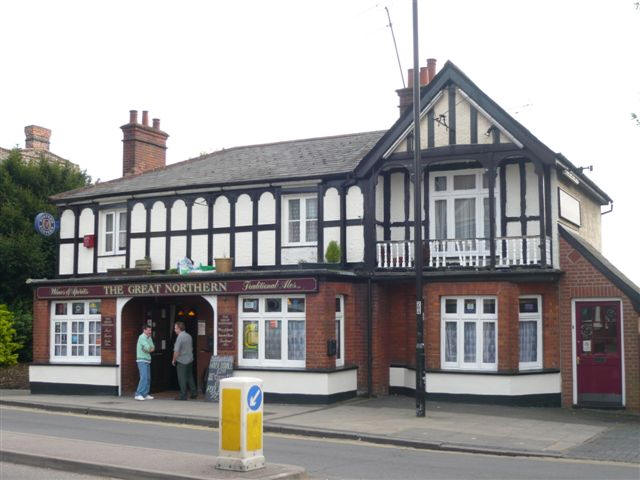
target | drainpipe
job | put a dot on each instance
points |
(369, 337)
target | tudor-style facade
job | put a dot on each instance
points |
(502, 213)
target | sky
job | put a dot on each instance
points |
(220, 74)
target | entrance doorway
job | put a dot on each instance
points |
(598, 353)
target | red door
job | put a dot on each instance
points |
(598, 356)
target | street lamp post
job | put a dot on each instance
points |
(417, 224)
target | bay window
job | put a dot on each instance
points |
(530, 332)
(469, 333)
(300, 220)
(75, 331)
(273, 331)
(114, 232)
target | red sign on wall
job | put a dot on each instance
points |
(165, 289)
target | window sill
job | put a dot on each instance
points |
(492, 372)
(299, 245)
(298, 370)
(109, 255)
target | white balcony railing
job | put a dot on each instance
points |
(510, 252)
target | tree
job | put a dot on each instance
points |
(25, 188)
(8, 345)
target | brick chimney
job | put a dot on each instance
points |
(144, 147)
(37, 137)
(406, 94)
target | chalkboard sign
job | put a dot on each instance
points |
(225, 332)
(108, 333)
(220, 366)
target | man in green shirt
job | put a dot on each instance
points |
(143, 359)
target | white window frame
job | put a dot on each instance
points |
(460, 318)
(450, 196)
(262, 317)
(303, 220)
(69, 318)
(340, 340)
(116, 249)
(537, 317)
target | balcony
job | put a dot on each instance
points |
(510, 252)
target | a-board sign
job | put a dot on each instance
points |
(108, 333)
(220, 366)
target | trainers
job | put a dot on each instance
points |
(138, 397)
(148, 397)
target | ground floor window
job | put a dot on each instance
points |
(339, 331)
(75, 331)
(273, 331)
(469, 333)
(530, 332)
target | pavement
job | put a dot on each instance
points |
(474, 428)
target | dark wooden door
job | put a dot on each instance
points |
(161, 358)
(598, 353)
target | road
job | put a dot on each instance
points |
(330, 459)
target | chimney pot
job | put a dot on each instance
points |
(410, 78)
(144, 149)
(156, 123)
(431, 68)
(133, 116)
(145, 118)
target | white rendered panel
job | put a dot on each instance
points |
(199, 250)
(86, 222)
(66, 259)
(533, 227)
(514, 229)
(355, 207)
(483, 127)
(532, 198)
(330, 233)
(221, 245)
(221, 213)
(397, 233)
(293, 256)
(243, 249)
(512, 174)
(380, 199)
(77, 375)
(138, 218)
(305, 383)
(67, 224)
(158, 217)
(267, 247)
(331, 204)
(85, 259)
(379, 233)
(397, 197)
(137, 251)
(178, 250)
(199, 214)
(355, 243)
(156, 251)
(179, 215)
(244, 211)
(440, 131)
(266, 209)
(112, 261)
(463, 120)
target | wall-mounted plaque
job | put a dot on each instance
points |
(108, 333)
(225, 332)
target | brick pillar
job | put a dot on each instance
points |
(320, 326)
(508, 327)
(108, 309)
(380, 341)
(41, 330)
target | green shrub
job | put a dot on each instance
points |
(333, 253)
(8, 345)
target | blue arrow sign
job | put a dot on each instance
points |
(254, 397)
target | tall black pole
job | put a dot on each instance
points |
(417, 224)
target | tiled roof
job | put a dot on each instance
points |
(255, 163)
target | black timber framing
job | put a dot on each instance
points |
(96, 220)
(168, 206)
(343, 224)
(210, 230)
(430, 130)
(127, 261)
(452, 114)
(278, 195)
(492, 215)
(543, 236)
(76, 233)
(232, 225)
(407, 204)
(369, 204)
(473, 124)
(255, 199)
(148, 205)
(387, 206)
(547, 210)
(320, 199)
(189, 201)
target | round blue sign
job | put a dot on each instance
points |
(254, 397)
(45, 224)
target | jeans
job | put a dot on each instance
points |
(185, 379)
(145, 379)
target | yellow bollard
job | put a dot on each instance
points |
(241, 402)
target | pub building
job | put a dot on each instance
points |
(520, 305)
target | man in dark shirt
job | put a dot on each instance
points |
(183, 361)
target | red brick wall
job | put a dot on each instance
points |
(144, 149)
(41, 332)
(583, 280)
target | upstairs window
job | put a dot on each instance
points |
(114, 238)
(459, 205)
(300, 225)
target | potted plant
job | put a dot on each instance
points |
(333, 254)
(224, 264)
